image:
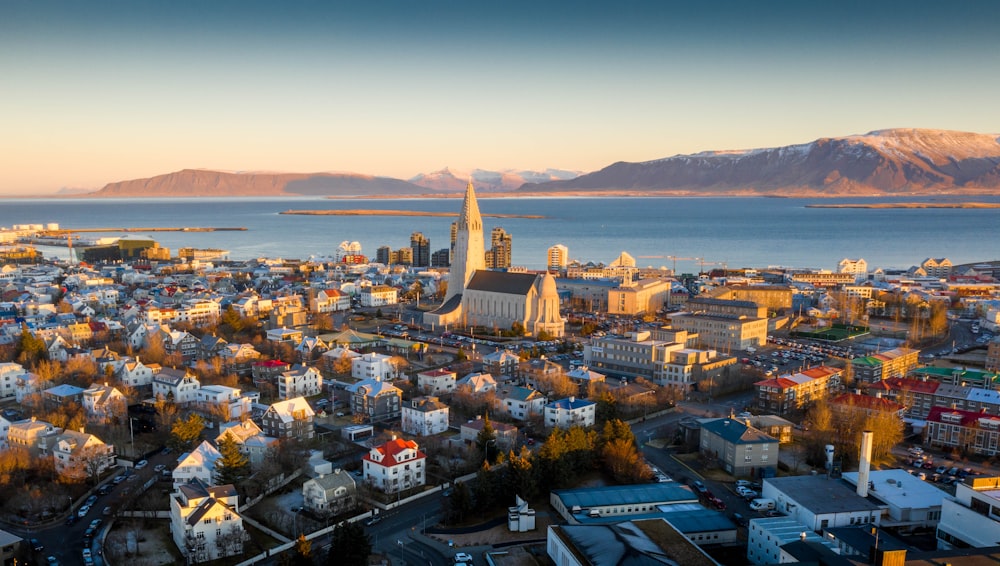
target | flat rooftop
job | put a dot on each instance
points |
(897, 488)
(821, 495)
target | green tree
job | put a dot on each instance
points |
(521, 474)
(459, 504)
(486, 441)
(184, 433)
(234, 466)
(232, 319)
(30, 349)
(461, 356)
(350, 545)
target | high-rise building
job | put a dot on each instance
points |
(421, 246)
(404, 256)
(558, 257)
(498, 256)
(441, 258)
(383, 255)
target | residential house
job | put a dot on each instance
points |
(506, 434)
(184, 344)
(424, 416)
(330, 358)
(477, 383)
(793, 392)
(328, 495)
(569, 412)
(223, 403)
(210, 346)
(329, 300)
(9, 373)
(252, 441)
(537, 370)
(267, 371)
(395, 466)
(134, 373)
(178, 386)
(81, 455)
(740, 449)
(955, 429)
(375, 399)
(28, 384)
(26, 433)
(310, 347)
(285, 336)
(205, 521)
(374, 366)
(501, 362)
(436, 381)
(292, 418)
(104, 403)
(850, 405)
(379, 296)
(239, 358)
(300, 381)
(521, 403)
(62, 395)
(197, 464)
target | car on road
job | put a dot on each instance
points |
(52, 561)
(83, 511)
(463, 557)
(105, 489)
(699, 486)
(141, 464)
(159, 468)
(119, 479)
(90, 501)
(374, 520)
(37, 545)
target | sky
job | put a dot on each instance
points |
(103, 91)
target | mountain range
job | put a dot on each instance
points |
(883, 162)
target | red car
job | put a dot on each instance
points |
(718, 503)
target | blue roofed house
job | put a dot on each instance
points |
(63, 394)
(568, 412)
(740, 449)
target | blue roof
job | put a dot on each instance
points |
(664, 492)
(736, 432)
(569, 404)
(687, 521)
(64, 390)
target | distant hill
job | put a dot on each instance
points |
(884, 162)
(203, 183)
(448, 180)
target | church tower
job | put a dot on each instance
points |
(469, 246)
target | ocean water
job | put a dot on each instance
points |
(736, 232)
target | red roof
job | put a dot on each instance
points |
(391, 449)
(437, 373)
(780, 382)
(270, 363)
(820, 372)
(914, 385)
(969, 418)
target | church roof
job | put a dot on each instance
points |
(501, 282)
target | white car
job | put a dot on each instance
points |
(141, 464)
(463, 557)
(83, 511)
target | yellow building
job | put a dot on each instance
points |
(646, 296)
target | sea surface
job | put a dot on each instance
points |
(730, 231)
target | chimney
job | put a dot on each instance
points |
(866, 463)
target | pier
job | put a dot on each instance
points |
(66, 231)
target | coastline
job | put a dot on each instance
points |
(371, 212)
(908, 205)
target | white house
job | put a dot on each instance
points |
(176, 385)
(227, 402)
(81, 455)
(424, 416)
(476, 383)
(134, 373)
(373, 366)
(329, 300)
(198, 463)
(9, 372)
(330, 494)
(395, 466)
(569, 412)
(205, 521)
(103, 403)
(28, 384)
(300, 381)
(522, 402)
(436, 381)
(379, 296)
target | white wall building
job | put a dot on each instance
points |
(379, 296)
(205, 521)
(176, 385)
(436, 381)
(424, 416)
(300, 381)
(569, 412)
(197, 464)
(395, 466)
(373, 366)
(819, 502)
(766, 536)
(972, 516)
(9, 372)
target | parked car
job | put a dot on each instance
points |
(37, 545)
(463, 557)
(83, 511)
(699, 487)
(141, 464)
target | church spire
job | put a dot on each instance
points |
(469, 218)
(470, 254)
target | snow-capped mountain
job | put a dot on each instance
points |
(894, 161)
(448, 180)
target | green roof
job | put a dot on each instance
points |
(736, 432)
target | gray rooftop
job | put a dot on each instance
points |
(667, 492)
(821, 495)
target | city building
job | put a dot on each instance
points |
(424, 416)
(521, 402)
(498, 256)
(968, 431)
(250, 438)
(936, 267)
(9, 373)
(723, 324)
(856, 267)
(81, 456)
(375, 400)
(649, 541)
(767, 535)
(639, 297)
(909, 501)
(373, 366)
(104, 403)
(619, 501)
(897, 362)
(820, 502)
(395, 466)
(793, 392)
(493, 299)
(855, 405)
(205, 521)
(300, 381)
(420, 247)
(197, 464)
(970, 518)
(738, 448)
(179, 386)
(379, 296)
(557, 258)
